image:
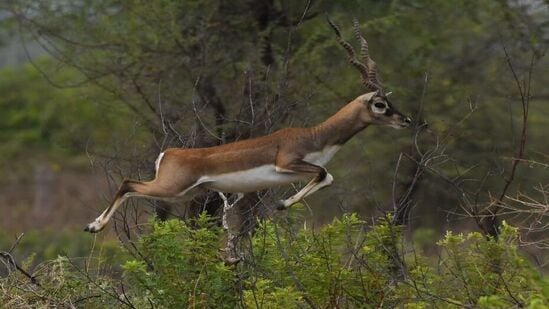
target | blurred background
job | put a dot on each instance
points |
(92, 91)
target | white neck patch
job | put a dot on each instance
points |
(322, 157)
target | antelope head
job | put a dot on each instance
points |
(378, 109)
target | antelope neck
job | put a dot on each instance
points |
(340, 127)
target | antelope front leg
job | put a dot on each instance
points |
(322, 179)
(313, 186)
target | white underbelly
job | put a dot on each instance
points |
(250, 180)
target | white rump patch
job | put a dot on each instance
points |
(157, 162)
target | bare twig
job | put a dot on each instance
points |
(10, 260)
(490, 224)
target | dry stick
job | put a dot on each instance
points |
(113, 295)
(491, 227)
(143, 95)
(10, 260)
(85, 298)
(195, 110)
(128, 244)
(401, 208)
(6, 255)
(525, 100)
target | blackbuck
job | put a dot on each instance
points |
(281, 158)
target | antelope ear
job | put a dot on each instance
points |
(371, 98)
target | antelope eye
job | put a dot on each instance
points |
(379, 105)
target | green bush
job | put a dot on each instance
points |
(182, 267)
(344, 264)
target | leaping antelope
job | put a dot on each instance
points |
(281, 158)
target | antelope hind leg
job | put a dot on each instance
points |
(129, 188)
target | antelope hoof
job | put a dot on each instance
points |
(93, 227)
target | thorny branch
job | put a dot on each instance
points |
(9, 261)
(490, 223)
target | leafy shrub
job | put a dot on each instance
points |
(343, 264)
(182, 267)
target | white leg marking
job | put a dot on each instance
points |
(99, 223)
(324, 183)
(309, 189)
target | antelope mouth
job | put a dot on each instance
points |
(406, 122)
(400, 125)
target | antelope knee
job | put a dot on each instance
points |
(329, 179)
